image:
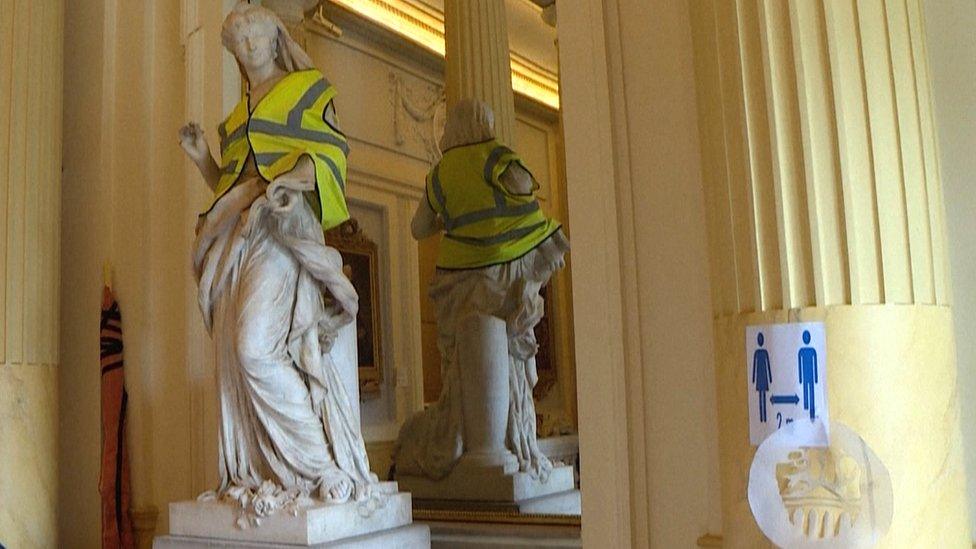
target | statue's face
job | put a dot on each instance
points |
(254, 45)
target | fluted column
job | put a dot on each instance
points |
(478, 62)
(824, 202)
(30, 176)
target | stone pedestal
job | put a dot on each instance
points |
(485, 385)
(414, 536)
(496, 489)
(214, 524)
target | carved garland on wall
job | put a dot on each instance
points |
(418, 115)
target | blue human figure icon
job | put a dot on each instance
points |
(762, 375)
(809, 377)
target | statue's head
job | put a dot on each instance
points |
(257, 37)
(469, 121)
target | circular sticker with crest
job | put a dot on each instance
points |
(818, 497)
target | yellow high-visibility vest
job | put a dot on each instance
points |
(285, 125)
(485, 223)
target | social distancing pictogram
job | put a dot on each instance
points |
(786, 373)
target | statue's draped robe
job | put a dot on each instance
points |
(431, 442)
(273, 297)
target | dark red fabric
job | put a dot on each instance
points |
(113, 485)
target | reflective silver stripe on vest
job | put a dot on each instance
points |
(493, 158)
(502, 211)
(297, 132)
(435, 183)
(335, 170)
(267, 159)
(230, 169)
(227, 140)
(308, 99)
(498, 238)
(500, 202)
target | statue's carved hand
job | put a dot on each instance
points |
(281, 195)
(194, 143)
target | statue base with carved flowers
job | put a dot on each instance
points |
(272, 518)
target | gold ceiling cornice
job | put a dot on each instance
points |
(424, 25)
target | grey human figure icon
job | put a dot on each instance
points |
(809, 376)
(762, 375)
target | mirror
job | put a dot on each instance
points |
(386, 59)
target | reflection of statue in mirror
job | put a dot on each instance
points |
(497, 251)
(273, 296)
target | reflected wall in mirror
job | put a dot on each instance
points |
(393, 108)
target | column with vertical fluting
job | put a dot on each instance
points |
(30, 214)
(822, 189)
(478, 62)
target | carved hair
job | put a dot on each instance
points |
(289, 56)
(469, 121)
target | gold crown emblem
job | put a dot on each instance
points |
(821, 489)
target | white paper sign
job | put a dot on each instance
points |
(786, 374)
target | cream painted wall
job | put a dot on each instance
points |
(665, 205)
(128, 89)
(640, 275)
(952, 62)
(83, 246)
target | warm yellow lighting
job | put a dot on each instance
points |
(533, 81)
(425, 26)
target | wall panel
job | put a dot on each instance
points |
(945, 55)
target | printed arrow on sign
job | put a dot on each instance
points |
(785, 399)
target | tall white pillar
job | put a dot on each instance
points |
(478, 66)
(478, 62)
(30, 175)
(824, 202)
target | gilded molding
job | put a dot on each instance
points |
(424, 25)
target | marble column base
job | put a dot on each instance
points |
(496, 489)
(414, 536)
(319, 524)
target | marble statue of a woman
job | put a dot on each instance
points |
(272, 294)
(498, 249)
